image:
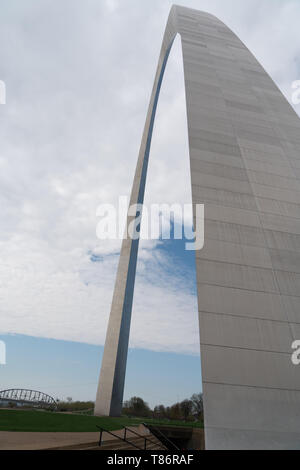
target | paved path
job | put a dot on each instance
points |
(45, 440)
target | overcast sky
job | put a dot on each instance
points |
(79, 76)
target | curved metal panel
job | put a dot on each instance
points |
(244, 150)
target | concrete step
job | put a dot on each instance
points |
(139, 442)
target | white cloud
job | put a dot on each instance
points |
(78, 77)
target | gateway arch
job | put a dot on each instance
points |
(244, 145)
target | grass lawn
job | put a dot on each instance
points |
(43, 421)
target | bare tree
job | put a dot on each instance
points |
(186, 407)
(197, 405)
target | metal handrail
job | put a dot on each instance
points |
(139, 435)
(102, 430)
(165, 437)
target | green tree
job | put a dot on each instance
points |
(136, 406)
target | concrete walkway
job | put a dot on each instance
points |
(45, 440)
